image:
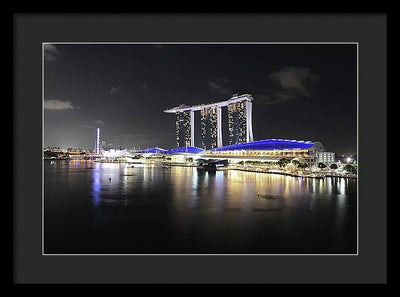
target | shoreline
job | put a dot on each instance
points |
(316, 175)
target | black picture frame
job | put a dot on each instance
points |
(30, 30)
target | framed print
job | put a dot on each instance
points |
(184, 146)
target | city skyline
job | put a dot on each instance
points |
(292, 99)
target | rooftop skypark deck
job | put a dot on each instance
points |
(234, 99)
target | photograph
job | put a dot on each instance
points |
(200, 148)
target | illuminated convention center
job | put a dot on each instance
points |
(264, 150)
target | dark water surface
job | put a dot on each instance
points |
(151, 209)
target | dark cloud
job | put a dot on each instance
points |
(295, 79)
(118, 90)
(113, 90)
(293, 84)
(276, 98)
(99, 122)
(219, 87)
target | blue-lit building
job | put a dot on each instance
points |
(182, 155)
(179, 150)
(183, 150)
(153, 150)
(269, 149)
(270, 144)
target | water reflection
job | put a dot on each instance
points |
(213, 190)
(96, 186)
(226, 209)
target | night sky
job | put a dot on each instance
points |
(301, 92)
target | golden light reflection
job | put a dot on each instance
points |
(214, 192)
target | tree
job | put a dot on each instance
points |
(283, 162)
(321, 165)
(303, 165)
(350, 168)
(334, 166)
(189, 159)
(296, 163)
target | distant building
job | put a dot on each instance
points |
(209, 126)
(97, 146)
(183, 129)
(327, 158)
(240, 121)
(53, 149)
(113, 153)
(237, 123)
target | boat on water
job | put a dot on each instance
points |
(269, 196)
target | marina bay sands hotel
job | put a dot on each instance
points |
(239, 109)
